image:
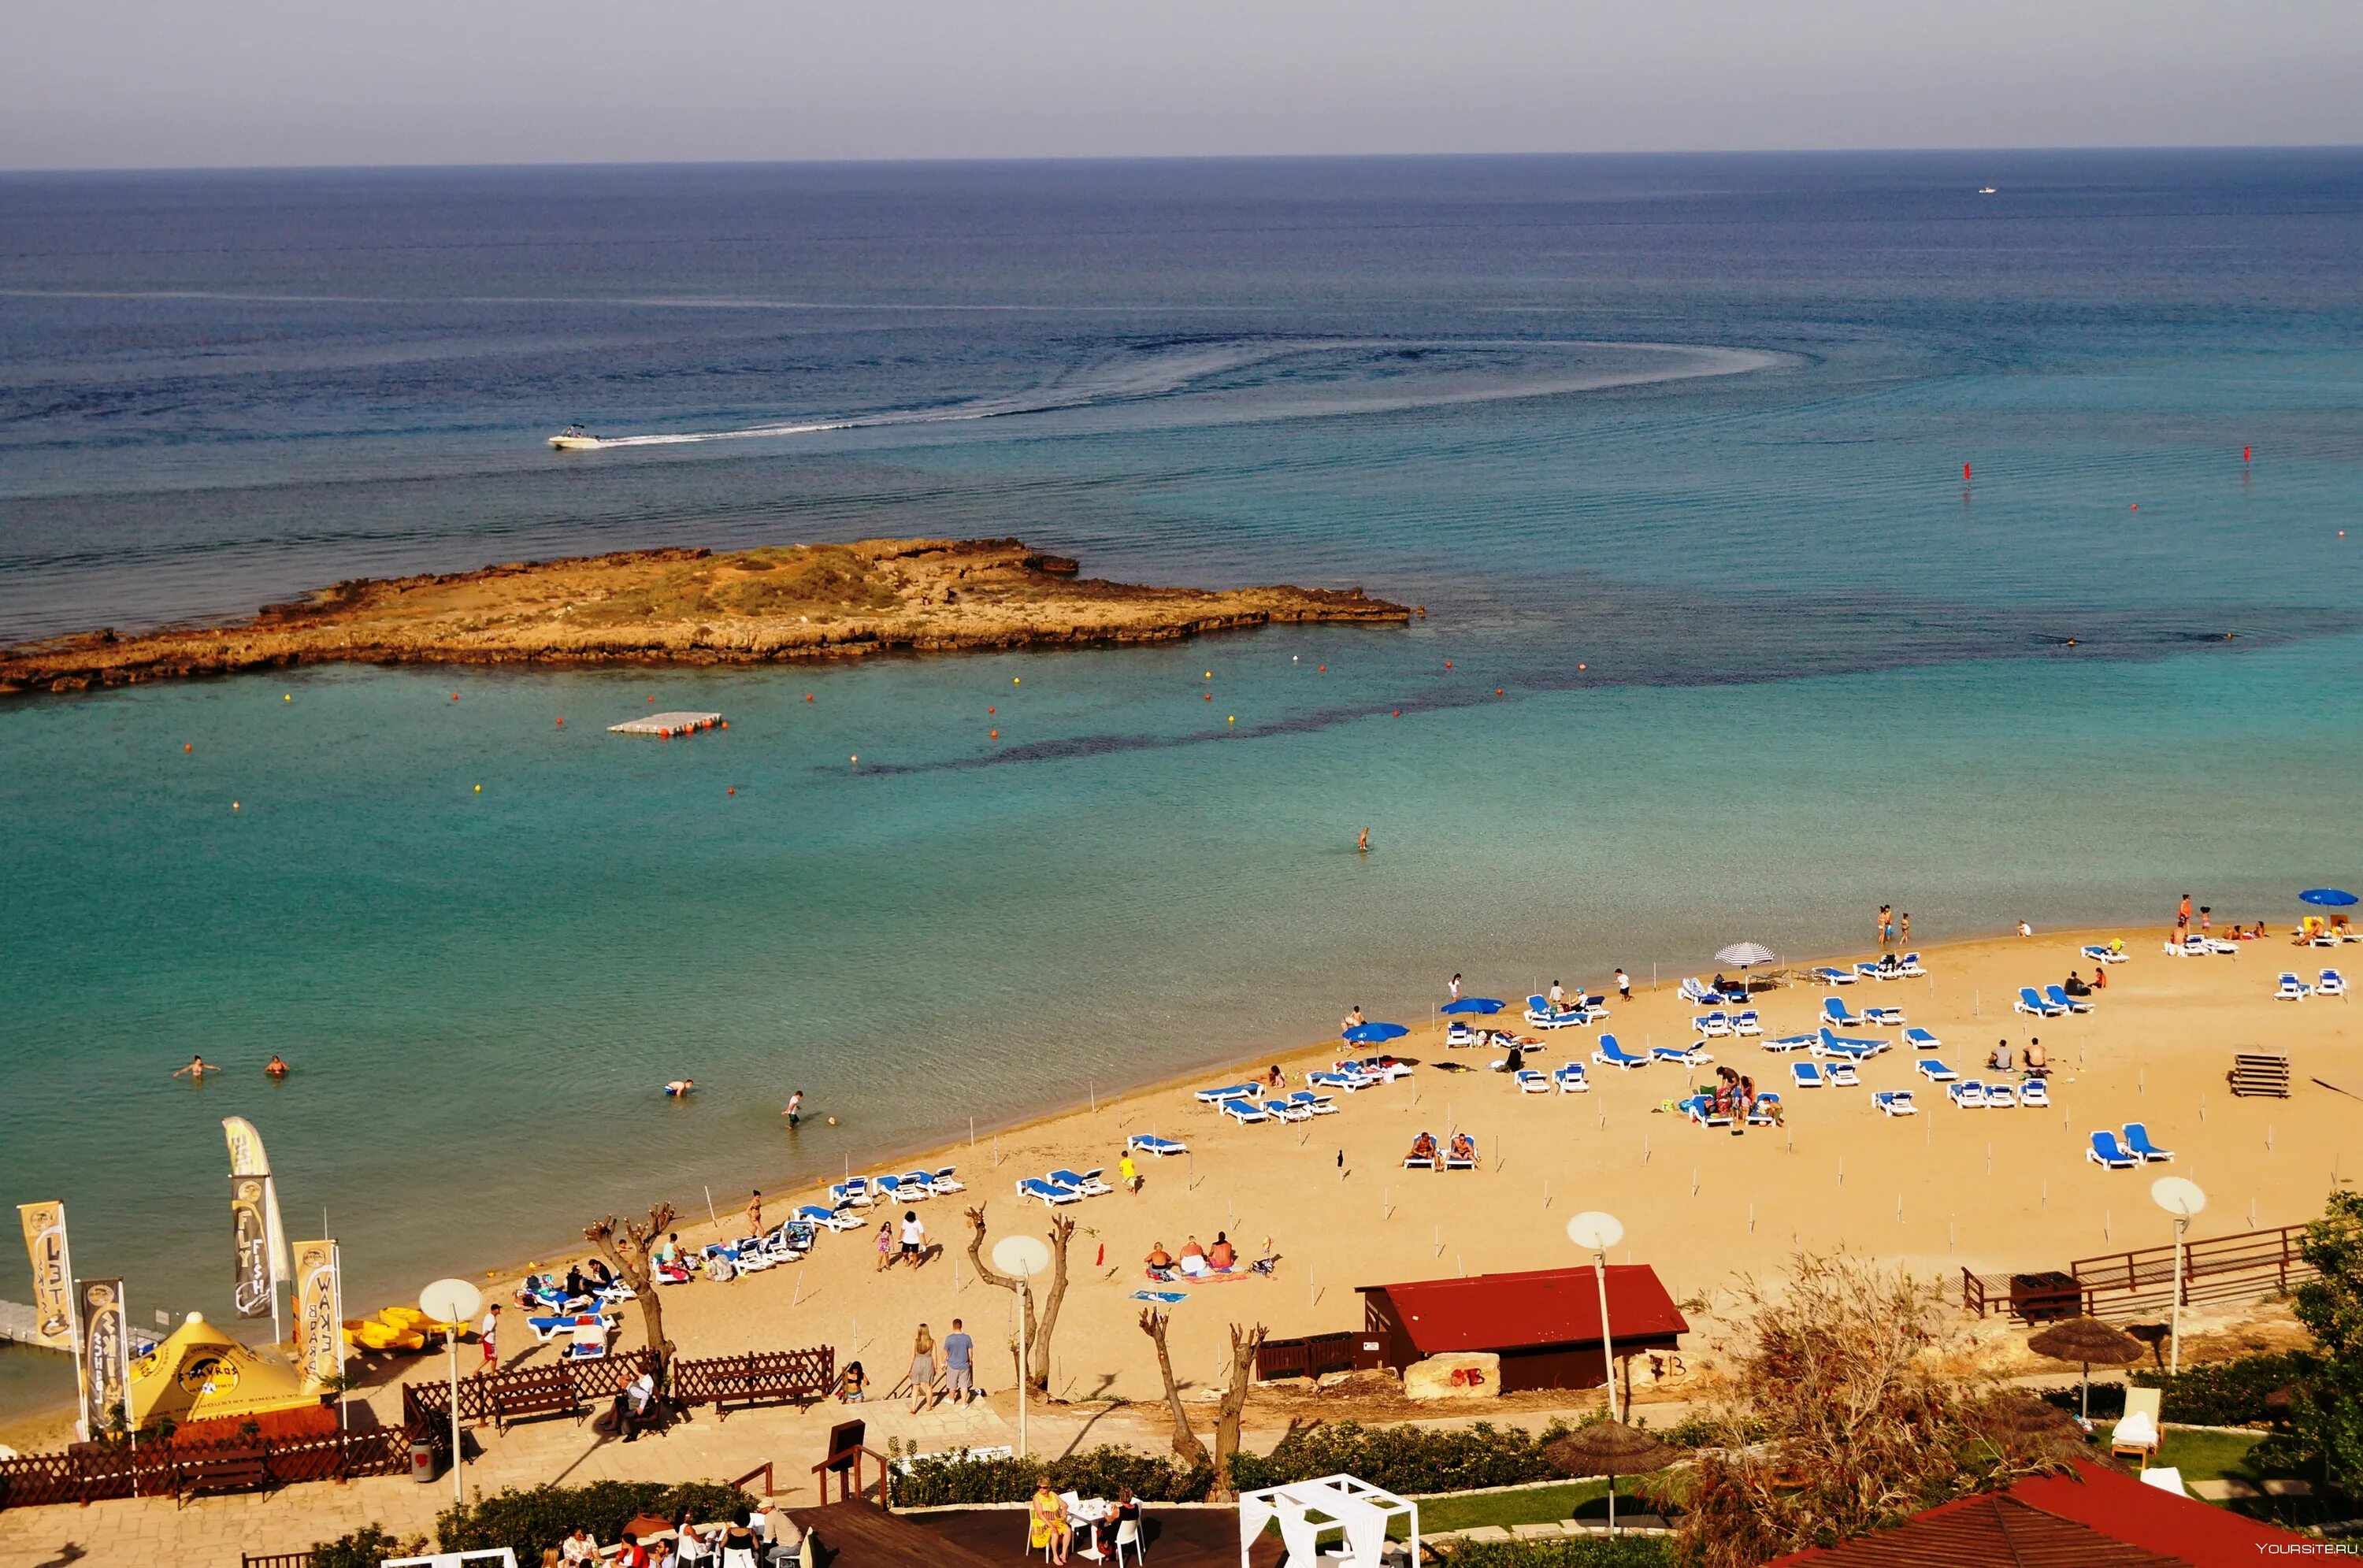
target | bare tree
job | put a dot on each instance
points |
(1042, 1307)
(1243, 1345)
(627, 1248)
(1852, 1404)
(1186, 1446)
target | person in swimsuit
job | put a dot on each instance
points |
(196, 1069)
(1362, 844)
(1221, 1257)
(275, 1068)
(1158, 1259)
(679, 1089)
(1423, 1147)
(1463, 1147)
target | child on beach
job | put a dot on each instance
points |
(885, 1245)
(852, 1384)
(1128, 1174)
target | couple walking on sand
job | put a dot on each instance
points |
(944, 1371)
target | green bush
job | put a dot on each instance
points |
(1096, 1473)
(1405, 1459)
(1574, 1551)
(2227, 1394)
(365, 1548)
(526, 1520)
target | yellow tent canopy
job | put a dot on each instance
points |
(200, 1373)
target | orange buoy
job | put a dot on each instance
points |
(2137, 506)
(726, 724)
(188, 746)
(991, 710)
(1324, 669)
(807, 696)
(2244, 454)
(455, 696)
(855, 758)
(1396, 715)
(561, 723)
(1497, 691)
(1584, 666)
(651, 699)
(233, 805)
(732, 791)
(1209, 696)
(1448, 664)
(994, 735)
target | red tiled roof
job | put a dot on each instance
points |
(1546, 1307)
(2097, 1517)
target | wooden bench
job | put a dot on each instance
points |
(2259, 1073)
(535, 1391)
(743, 1382)
(239, 1470)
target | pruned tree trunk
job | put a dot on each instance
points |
(1040, 1306)
(627, 1248)
(1186, 1446)
(1243, 1345)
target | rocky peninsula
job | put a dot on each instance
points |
(691, 607)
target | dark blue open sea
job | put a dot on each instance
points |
(1670, 448)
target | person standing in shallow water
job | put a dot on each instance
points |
(1363, 841)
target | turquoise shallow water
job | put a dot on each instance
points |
(1765, 660)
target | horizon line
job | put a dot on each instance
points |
(1005, 160)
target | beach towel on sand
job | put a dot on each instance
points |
(1168, 1298)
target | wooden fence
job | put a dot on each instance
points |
(88, 1472)
(793, 1377)
(1310, 1357)
(2140, 1282)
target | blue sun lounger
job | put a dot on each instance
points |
(1921, 1039)
(2034, 1091)
(1419, 1162)
(1793, 1042)
(1216, 1095)
(831, 1219)
(1807, 1073)
(1835, 1011)
(1313, 1104)
(943, 1183)
(1936, 1072)
(1910, 964)
(1466, 1161)
(1243, 1111)
(2100, 954)
(1687, 1055)
(2029, 1001)
(1611, 1054)
(1700, 1109)
(1969, 1096)
(1894, 1102)
(1088, 1183)
(1883, 1017)
(1745, 1022)
(1841, 1075)
(1570, 1079)
(2331, 984)
(1830, 977)
(1540, 1013)
(2105, 1151)
(1050, 1195)
(1766, 1109)
(2059, 999)
(1150, 1143)
(2137, 1140)
(1852, 1048)
(1531, 1082)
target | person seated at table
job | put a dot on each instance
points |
(1047, 1523)
(2074, 984)
(1193, 1258)
(1125, 1510)
(1464, 1147)
(1222, 1257)
(1423, 1147)
(1159, 1261)
(851, 1384)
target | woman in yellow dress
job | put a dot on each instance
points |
(1049, 1527)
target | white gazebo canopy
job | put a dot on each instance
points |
(1308, 1510)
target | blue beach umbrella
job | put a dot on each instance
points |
(2325, 895)
(1473, 1004)
(1371, 1033)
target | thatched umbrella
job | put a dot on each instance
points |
(1610, 1449)
(2086, 1340)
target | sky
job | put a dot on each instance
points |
(132, 83)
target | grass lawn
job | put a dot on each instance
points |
(2210, 1457)
(1540, 1506)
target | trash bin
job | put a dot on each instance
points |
(422, 1462)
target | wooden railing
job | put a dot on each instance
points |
(2140, 1282)
(275, 1560)
(1308, 1357)
(764, 1470)
(89, 1472)
(847, 1465)
(793, 1377)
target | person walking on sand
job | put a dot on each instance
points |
(1623, 986)
(489, 1333)
(795, 1110)
(959, 1365)
(755, 1213)
(2182, 916)
(914, 1239)
(885, 1245)
(1904, 929)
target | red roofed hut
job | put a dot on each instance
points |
(1545, 1325)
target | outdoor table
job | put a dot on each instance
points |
(1091, 1513)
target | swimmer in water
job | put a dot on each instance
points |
(276, 1068)
(1363, 841)
(197, 1068)
(679, 1089)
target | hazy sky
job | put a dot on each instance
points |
(135, 83)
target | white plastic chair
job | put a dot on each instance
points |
(1128, 1534)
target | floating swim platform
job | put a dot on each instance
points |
(665, 725)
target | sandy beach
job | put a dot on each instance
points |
(1943, 1190)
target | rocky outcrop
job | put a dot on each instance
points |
(692, 607)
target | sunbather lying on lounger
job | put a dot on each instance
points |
(1423, 1147)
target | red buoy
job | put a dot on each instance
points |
(1965, 472)
(733, 790)
(2244, 454)
(1448, 664)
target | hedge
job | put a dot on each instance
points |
(2226, 1394)
(526, 1520)
(365, 1548)
(1094, 1473)
(1405, 1459)
(1573, 1552)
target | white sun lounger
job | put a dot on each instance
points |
(829, 1218)
(2002, 1097)
(1910, 964)
(1468, 1162)
(2030, 1001)
(1793, 1042)
(1711, 1023)
(2292, 988)
(1936, 1072)
(1842, 1076)
(2058, 997)
(1571, 1079)
(1894, 1102)
(1970, 1095)
(1762, 1112)
(2100, 954)
(1531, 1082)
(1807, 1073)
(1922, 1039)
(1611, 1054)
(2137, 1140)
(1836, 1013)
(2331, 984)
(944, 1183)
(1745, 1022)
(1830, 977)
(1050, 1195)
(1242, 1112)
(1088, 1183)
(1695, 1056)
(2036, 1092)
(2106, 1150)
(1216, 1095)
(1150, 1143)
(1883, 1017)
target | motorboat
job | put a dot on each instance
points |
(575, 439)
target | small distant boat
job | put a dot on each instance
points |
(575, 439)
(1985, 189)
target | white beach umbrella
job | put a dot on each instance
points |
(1743, 953)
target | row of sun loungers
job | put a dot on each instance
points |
(2135, 1150)
(1062, 1186)
(1444, 1159)
(2330, 983)
(1542, 1015)
(911, 1187)
(1907, 968)
(1969, 1094)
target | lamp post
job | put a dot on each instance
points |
(451, 1302)
(1596, 1233)
(2183, 1200)
(1023, 1256)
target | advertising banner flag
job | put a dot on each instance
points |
(247, 1159)
(252, 1288)
(45, 1241)
(319, 1312)
(105, 1357)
